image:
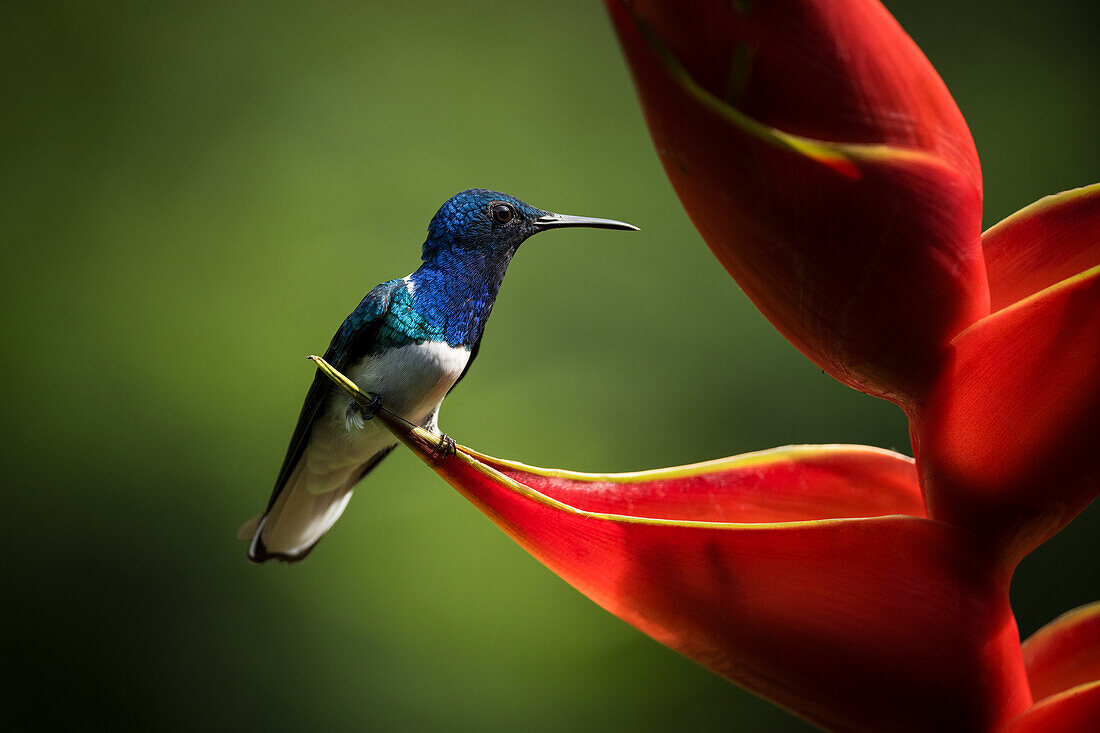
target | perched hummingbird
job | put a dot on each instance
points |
(407, 344)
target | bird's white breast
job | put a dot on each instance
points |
(412, 379)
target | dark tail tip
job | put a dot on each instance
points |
(258, 552)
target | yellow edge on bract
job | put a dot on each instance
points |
(1059, 696)
(467, 456)
(745, 460)
(1068, 618)
(1047, 202)
(825, 151)
(1089, 274)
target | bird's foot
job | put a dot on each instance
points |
(357, 414)
(447, 447)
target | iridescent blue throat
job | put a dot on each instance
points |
(448, 299)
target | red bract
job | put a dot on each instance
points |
(1007, 438)
(1063, 666)
(840, 187)
(1007, 434)
(1065, 654)
(740, 565)
(829, 170)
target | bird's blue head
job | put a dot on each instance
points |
(484, 224)
(470, 244)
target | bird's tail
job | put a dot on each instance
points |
(294, 524)
(298, 518)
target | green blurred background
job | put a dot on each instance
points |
(195, 194)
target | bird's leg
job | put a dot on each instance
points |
(371, 408)
(357, 414)
(447, 447)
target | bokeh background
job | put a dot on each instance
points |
(194, 194)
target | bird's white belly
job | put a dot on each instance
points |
(412, 381)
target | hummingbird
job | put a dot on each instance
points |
(407, 344)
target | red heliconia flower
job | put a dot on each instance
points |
(828, 168)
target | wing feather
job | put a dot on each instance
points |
(354, 339)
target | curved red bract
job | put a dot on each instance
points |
(860, 243)
(792, 484)
(1039, 246)
(832, 618)
(1065, 653)
(1073, 711)
(1007, 438)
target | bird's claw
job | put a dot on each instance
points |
(447, 447)
(357, 414)
(369, 410)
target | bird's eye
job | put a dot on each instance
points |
(501, 213)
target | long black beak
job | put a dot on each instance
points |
(556, 221)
